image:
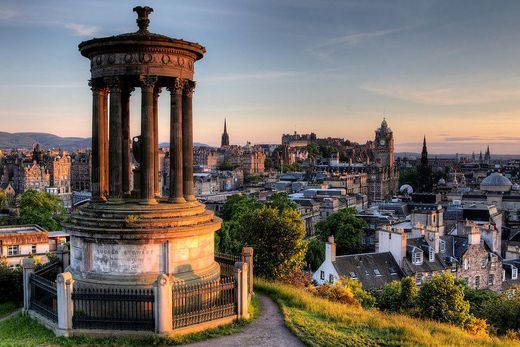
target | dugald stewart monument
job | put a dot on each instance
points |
(139, 260)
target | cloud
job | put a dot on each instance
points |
(81, 29)
(329, 46)
(259, 76)
(449, 95)
(6, 13)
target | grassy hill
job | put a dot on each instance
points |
(319, 322)
(27, 140)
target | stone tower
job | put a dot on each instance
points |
(384, 146)
(128, 235)
(225, 136)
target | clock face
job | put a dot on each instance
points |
(382, 142)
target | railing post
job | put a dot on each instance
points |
(162, 290)
(247, 257)
(242, 293)
(64, 287)
(28, 270)
(63, 255)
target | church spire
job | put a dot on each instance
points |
(424, 154)
(225, 136)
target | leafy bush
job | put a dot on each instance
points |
(297, 279)
(11, 284)
(346, 291)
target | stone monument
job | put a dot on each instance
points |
(127, 236)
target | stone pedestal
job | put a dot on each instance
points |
(131, 244)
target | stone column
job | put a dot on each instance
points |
(187, 139)
(64, 285)
(104, 140)
(126, 141)
(147, 137)
(163, 305)
(28, 270)
(242, 295)
(156, 93)
(247, 257)
(176, 144)
(115, 140)
(97, 140)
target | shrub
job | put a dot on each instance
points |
(11, 284)
(297, 279)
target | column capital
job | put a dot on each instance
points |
(176, 86)
(189, 88)
(114, 84)
(148, 81)
(96, 85)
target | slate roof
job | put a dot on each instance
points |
(373, 270)
(410, 268)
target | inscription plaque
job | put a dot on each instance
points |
(113, 258)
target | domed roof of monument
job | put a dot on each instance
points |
(496, 179)
(141, 37)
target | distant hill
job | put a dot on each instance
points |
(27, 141)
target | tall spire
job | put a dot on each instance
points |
(424, 154)
(225, 136)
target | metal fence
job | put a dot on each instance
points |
(194, 304)
(118, 309)
(227, 263)
(49, 271)
(43, 297)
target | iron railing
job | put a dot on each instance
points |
(117, 309)
(49, 271)
(43, 298)
(194, 304)
(227, 263)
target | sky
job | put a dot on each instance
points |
(449, 70)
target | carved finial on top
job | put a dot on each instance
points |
(142, 17)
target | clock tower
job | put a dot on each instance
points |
(384, 146)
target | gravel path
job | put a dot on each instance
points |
(266, 330)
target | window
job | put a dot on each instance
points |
(352, 275)
(483, 263)
(431, 255)
(392, 271)
(376, 271)
(491, 279)
(418, 279)
(13, 250)
(503, 275)
(466, 264)
(322, 275)
(477, 282)
(453, 266)
(442, 245)
(493, 260)
(417, 257)
(466, 280)
(331, 278)
(514, 272)
(33, 249)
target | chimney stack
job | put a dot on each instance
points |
(330, 249)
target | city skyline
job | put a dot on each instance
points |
(441, 69)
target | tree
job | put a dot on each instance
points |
(4, 201)
(442, 299)
(281, 201)
(398, 296)
(347, 229)
(42, 209)
(503, 311)
(277, 238)
(236, 205)
(315, 253)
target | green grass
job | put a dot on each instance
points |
(7, 307)
(24, 331)
(319, 322)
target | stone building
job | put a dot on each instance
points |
(80, 171)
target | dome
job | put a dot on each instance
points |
(495, 182)
(442, 181)
(406, 189)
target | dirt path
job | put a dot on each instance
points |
(266, 330)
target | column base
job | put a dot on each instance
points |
(190, 198)
(98, 199)
(148, 202)
(177, 200)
